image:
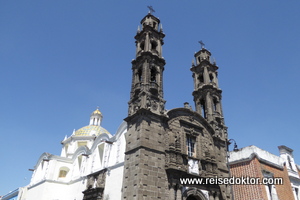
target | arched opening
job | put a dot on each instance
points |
(153, 75)
(142, 46)
(193, 194)
(215, 103)
(154, 25)
(200, 78)
(211, 77)
(140, 75)
(63, 171)
(192, 198)
(203, 108)
(153, 45)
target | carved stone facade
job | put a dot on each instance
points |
(95, 186)
(163, 146)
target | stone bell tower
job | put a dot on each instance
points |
(207, 94)
(207, 98)
(148, 67)
(144, 173)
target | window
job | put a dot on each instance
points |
(215, 102)
(211, 77)
(154, 25)
(271, 189)
(63, 172)
(79, 161)
(297, 193)
(140, 75)
(203, 108)
(142, 46)
(190, 144)
(200, 78)
(101, 151)
(153, 45)
(79, 144)
(290, 163)
(153, 75)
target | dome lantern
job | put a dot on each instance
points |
(96, 118)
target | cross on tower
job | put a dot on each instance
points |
(151, 10)
(202, 44)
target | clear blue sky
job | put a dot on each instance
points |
(61, 59)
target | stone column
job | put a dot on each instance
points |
(147, 42)
(217, 196)
(172, 193)
(205, 76)
(178, 194)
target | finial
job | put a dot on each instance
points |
(161, 28)
(193, 62)
(138, 29)
(151, 10)
(202, 44)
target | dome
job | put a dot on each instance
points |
(91, 130)
(96, 112)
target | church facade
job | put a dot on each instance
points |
(163, 146)
(153, 148)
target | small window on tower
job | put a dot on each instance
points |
(190, 145)
(211, 77)
(153, 75)
(215, 101)
(154, 25)
(203, 108)
(153, 45)
(142, 46)
(200, 78)
(140, 75)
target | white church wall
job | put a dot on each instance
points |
(113, 183)
(51, 190)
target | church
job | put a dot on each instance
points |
(153, 148)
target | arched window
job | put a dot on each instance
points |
(203, 108)
(63, 171)
(142, 46)
(101, 152)
(153, 45)
(191, 198)
(211, 77)
(200, 78)
(215, 102)
(153, 75)
(290, 163)
(140, 75)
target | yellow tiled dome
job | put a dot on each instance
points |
(91, 130)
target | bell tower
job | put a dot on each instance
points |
(207, 94)
(207, 98)
(144, 166)
(148, 67)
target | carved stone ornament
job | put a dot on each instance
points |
(193, 166)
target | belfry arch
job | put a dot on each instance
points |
(193, 194)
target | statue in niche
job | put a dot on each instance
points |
(90, 182)
(101, 180)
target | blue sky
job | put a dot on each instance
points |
(61, 59)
